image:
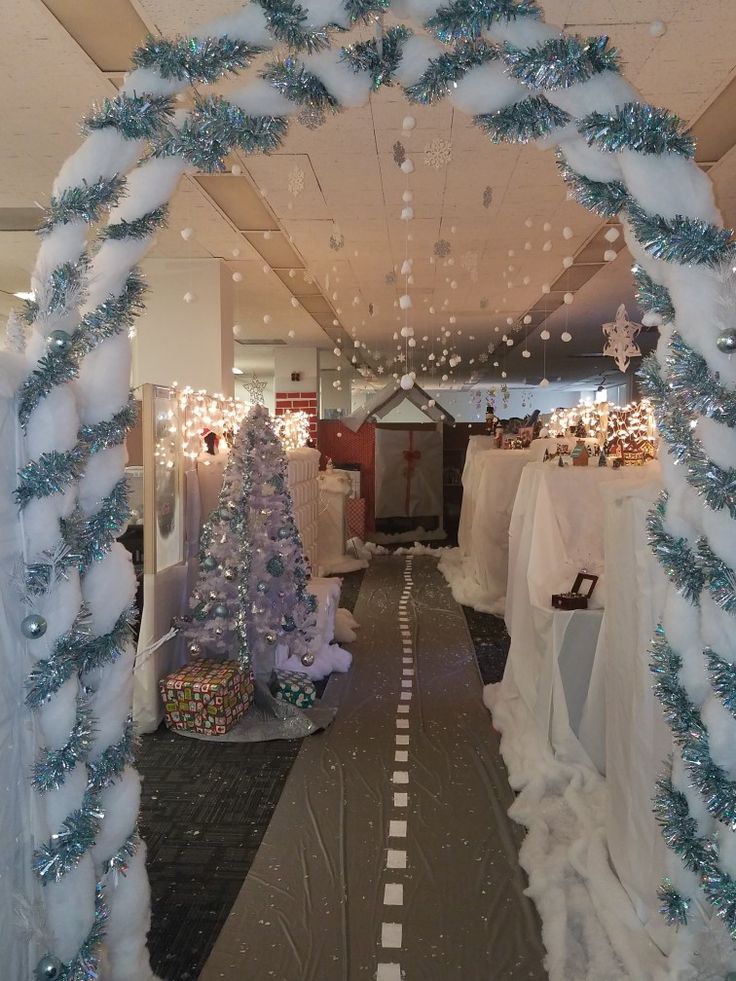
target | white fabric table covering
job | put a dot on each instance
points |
(490, 480)
(623, 728)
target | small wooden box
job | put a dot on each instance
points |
(575, 599)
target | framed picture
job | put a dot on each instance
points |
(163, 476)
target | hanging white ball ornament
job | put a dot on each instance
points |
(527, 319)
(405, 302)
(237, 277)
(567, 232)
(610, 255)
(407, 331)
(568, 261)
(526, 353)
(612, 235)
(657, 28)
(408, 123)
(445, 378)
(189, 297)
(407, 197)
(568, 298)
(503, 374)
(545, 334)
(406, 382)
(547, 247)
(186, 233)
(544, 383)
(291, 333)
(237, 330)
(546, 288)
(407, 166)
(566, 336)
(412, 342)
(267, 318)
(407, 214)
(509, 342)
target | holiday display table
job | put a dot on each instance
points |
(623, 729)
(207, 697)
(477, 569)
(556, 531)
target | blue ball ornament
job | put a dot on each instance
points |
(220, 610)
(48, 968)
(283, 533)
(209, 563)
(33, 626)
(59, 340)
(275, 566)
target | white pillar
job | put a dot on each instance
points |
(190, 343)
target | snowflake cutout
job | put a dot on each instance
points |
(469, 260)
(337, 242)
(295, 183)
(483, 302)
(487, 196)
(380, 369)
(621, 339)
(389, 279)
(399, 153)
(311, 116)
(438, 153)
(482, 357)
(255, 389)
(442, 248)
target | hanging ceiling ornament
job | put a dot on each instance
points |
(487, 196)
(621, 339)
(438, 153)
(442, 248)
(311, 117)
(389, 278)
(255, 389)
(399, 153)
(295, 183)
(337, 241)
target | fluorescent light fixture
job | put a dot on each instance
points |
(26, 296)
(238, 371)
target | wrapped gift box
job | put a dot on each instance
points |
(294, 687)
(206, 697)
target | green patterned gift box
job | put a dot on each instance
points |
(207, 697)
(294, 687)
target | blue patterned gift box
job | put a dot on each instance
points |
(294, 687)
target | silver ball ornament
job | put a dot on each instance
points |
(33, 626)
(48, 968)
(262, 586)
(229, 574)
(283, 533)
(209, 563)
(194, 648)
(308, 659)
(59, 340)
(220, 610)
(726, 342)
(270, 637)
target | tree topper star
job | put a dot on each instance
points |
(255, 389)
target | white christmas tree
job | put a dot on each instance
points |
(251, 594)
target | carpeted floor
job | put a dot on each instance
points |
(227, 793)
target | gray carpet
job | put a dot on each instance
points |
(313, 905)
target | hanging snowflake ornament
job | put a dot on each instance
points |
(483, 302)
(295, 183)
(337, 242)
(487, 196)
(482, 357)
(399, 153)
(311, 117)
(621, 337)
(255, 389)
(442, 248)
(438, 153)
(389, 279)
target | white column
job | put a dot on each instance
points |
(190, 343)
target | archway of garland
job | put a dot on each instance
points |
(521, 80)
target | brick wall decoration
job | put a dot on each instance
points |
(299, 402)
(342, 445)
